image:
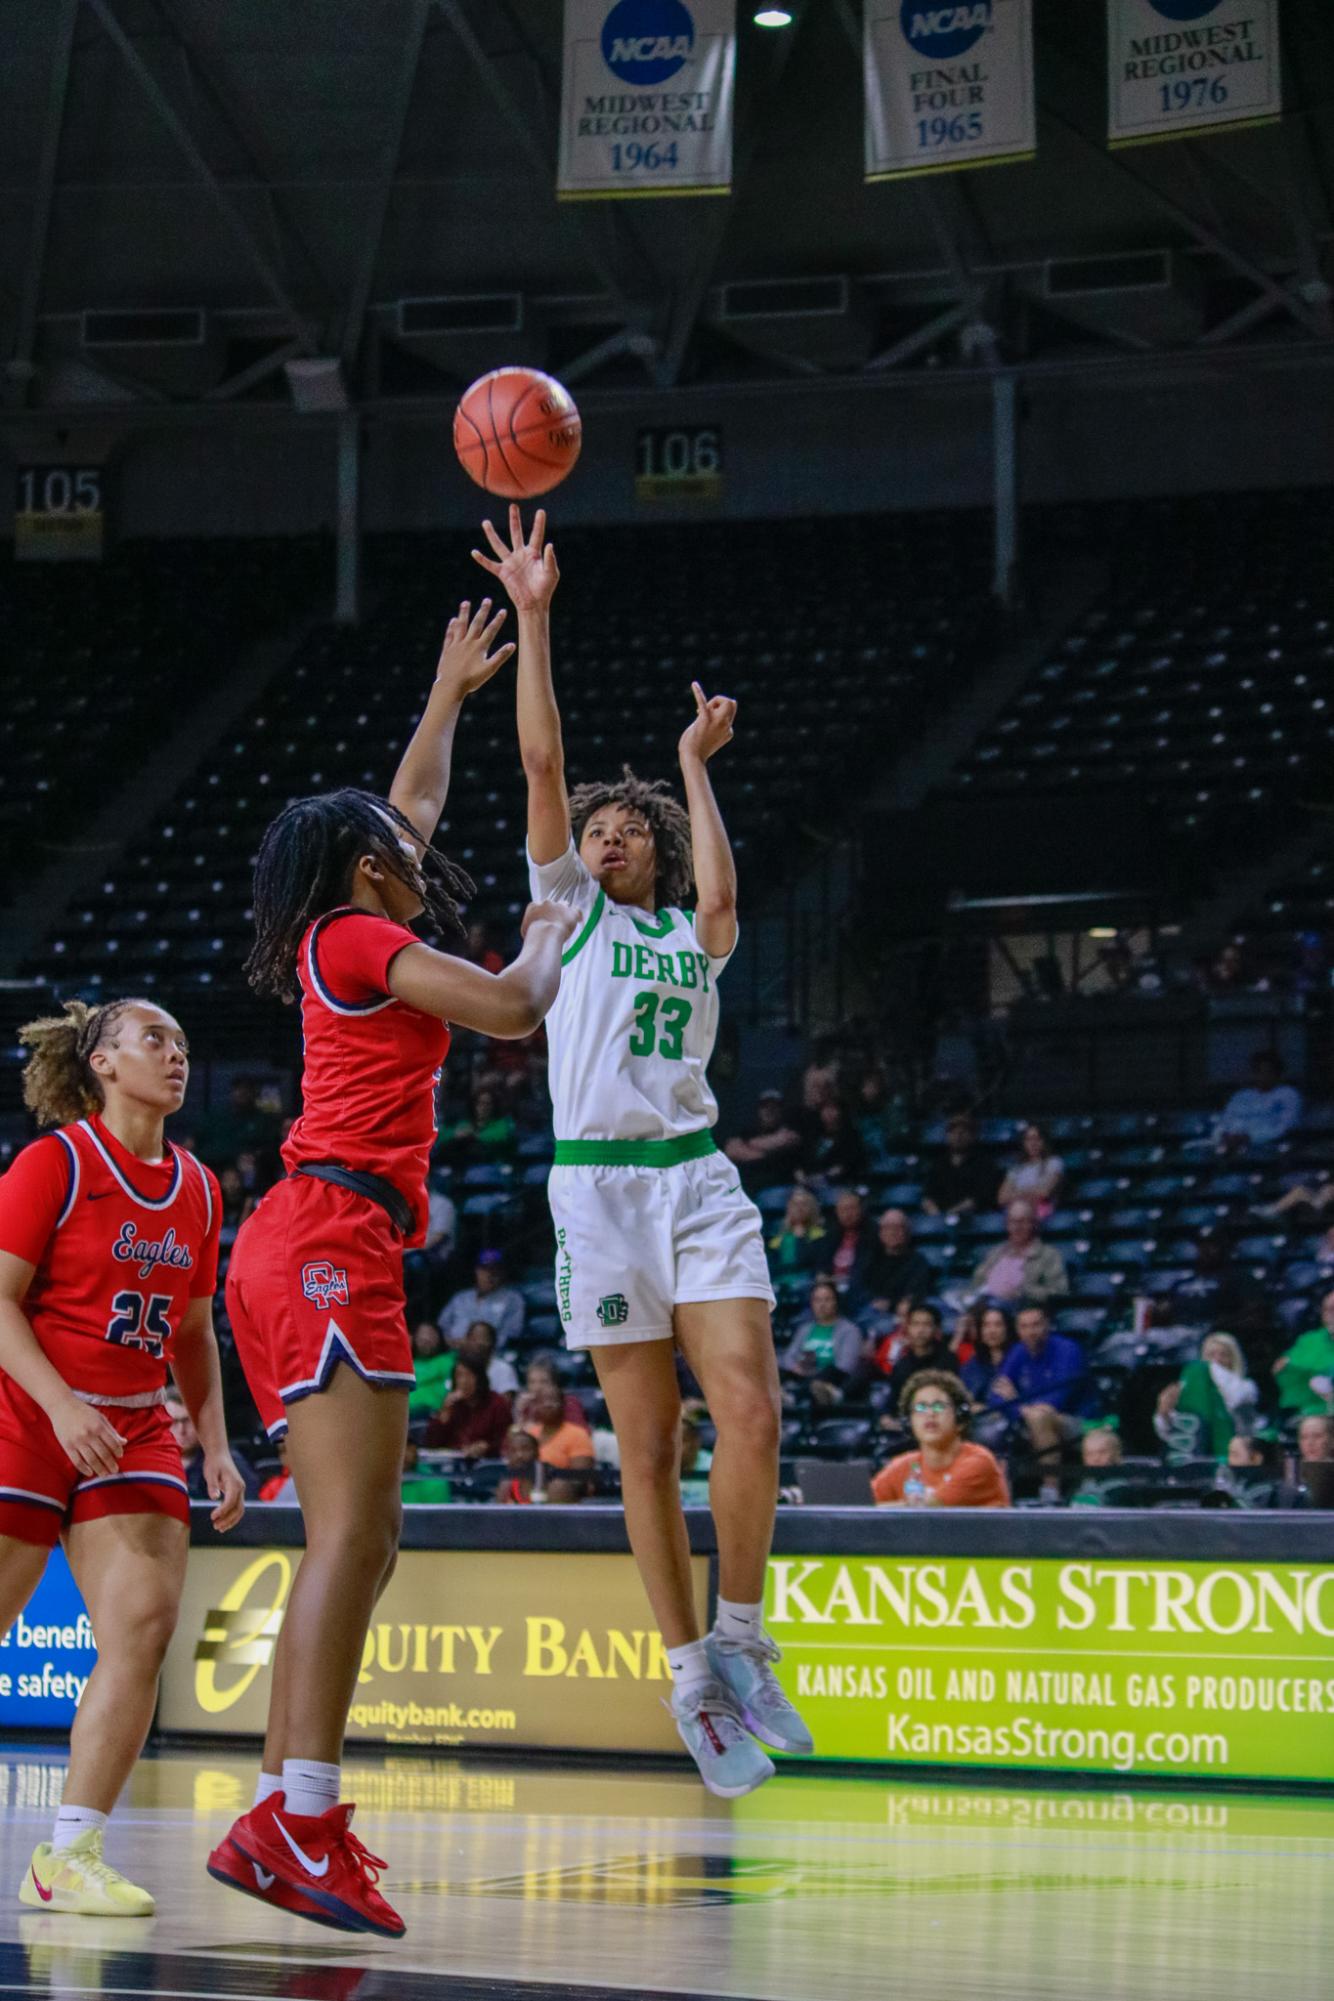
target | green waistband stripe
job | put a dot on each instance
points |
(634, 1152)
(588, 930)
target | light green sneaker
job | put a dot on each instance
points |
(77, 1879)
(712, 1730)
(746, 1670)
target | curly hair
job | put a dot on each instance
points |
(667, 819)
(304, 869)
(936, 1379)
(59, 1082)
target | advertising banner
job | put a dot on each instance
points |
(647, 100)
(1177, 66)
(947, 86)
(47, 1655)
(1151, 1668)
(467, 1647)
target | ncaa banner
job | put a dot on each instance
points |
(647, 103)
(949, 83)
(1179, 66)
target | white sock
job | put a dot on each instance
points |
(265, 1787)
(738, 1622)
(72, 1821)
(690, 1664)
(311, 1787)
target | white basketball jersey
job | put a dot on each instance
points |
(633, 1026)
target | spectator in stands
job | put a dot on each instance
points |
(827, 1348)
(562, 1447)
(884, 1117)
(424, 1268)
(487, 1298)
(696, 1459)
(896, 1268)
(479, 1348)
(236, 1202)
(1263, 1113)
(1100, 1448)
(798, 1248)
(422, 1489)
(1037, 1174)
(887, 1347)
(1044, 1382)
(1212, 1399)
(964, 1335)
(820, 1078)
(1315, 1439)
(1305, 1373)
(1252, 1477)
(854, 1244)
(473, 1419)
(945, 1470)
(1226, 974)
(770, 1155)
(521, 1463)
(925, 1347)
(192, 1452)
(432, 1366)
(1218, 1293)
(960, 1179)
(542, 1375)
(480, 949)
(834, 1154)
(1021, 1266)
(489, 1136)
(995, 1339)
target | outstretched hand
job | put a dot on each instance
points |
(528, 567)
(712, 726)
(466, 660)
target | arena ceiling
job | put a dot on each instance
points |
(297, 168)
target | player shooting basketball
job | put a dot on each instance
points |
(657, 1248)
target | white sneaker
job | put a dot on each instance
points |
(746, 1670)
(713, 1731)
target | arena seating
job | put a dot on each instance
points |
(1201, 690)
(100, 667)
(836, 636)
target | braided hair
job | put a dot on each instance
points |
(304, 869)
(667, 819)
(59, 1082)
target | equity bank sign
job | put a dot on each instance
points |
(467, 1647)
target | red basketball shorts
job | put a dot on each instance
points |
(315, 1279)
(42, 1491)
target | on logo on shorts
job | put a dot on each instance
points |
(614, 1310)
(324, 1284)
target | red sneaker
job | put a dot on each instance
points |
(228, 1864)
(318, 1856)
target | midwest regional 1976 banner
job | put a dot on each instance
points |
(1177, 66)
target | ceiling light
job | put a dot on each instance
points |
(773, 17)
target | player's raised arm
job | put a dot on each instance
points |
(507, 1005)
(529, 572)
(467, 662)
(715, 869)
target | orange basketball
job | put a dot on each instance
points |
(517, 432)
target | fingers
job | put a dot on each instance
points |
(497, 546)
(539, 534)
(98, 1455)
(500, 656)
(701, 705)
(516, 527)
(485, 562)
(495, 625)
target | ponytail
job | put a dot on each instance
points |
(59, 1082)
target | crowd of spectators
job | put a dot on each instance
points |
(946, 1310)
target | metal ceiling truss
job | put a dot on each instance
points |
(19, 376)
(354, 314)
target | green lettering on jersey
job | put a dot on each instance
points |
(646, 963)
(666, 970)
(703, 959)
(687, 964)
(622, 961)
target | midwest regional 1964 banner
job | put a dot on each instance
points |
(1178, 66)
(947, 85)
(646, 107)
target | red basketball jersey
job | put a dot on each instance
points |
(121, 1247)
(372, 1065)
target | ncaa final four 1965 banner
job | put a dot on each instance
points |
(1177, 66)
(949, 83)
(646, 107)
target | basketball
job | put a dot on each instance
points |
(517, 432)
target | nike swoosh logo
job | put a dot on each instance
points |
(98, 1195)
(262, 1877)
(320, 1868)
(45, 1895)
